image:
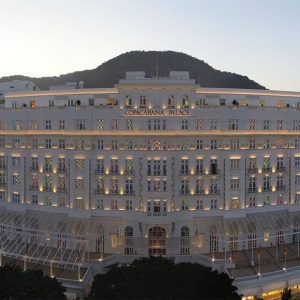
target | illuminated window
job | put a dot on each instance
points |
(79, 164)
(16, 143)
(266, 144)
(16, 179)
(114, 204)
(79, 184)
(266, 200)
(100, 124)
(235, 203)
(184, 205)
(184, 145)
(267, 124)
(235, 163)
(16, 198)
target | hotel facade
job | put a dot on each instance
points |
(152, 166)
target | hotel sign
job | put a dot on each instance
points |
(156, 112)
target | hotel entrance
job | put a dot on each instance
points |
(157, 241)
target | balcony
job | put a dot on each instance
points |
(114, 171)
(61, 170)
(280, 188)
(61, 190)
(214, 192)
(280, 169)
(129, 172)
(34, 168)
(99, 192)
(47, 189)
(199, 172)
(48, 169)
(214, 172)
(184, 173)
(129, 193)
(267, 170)
(114, 192)
(34, 188)
(99, 172)
(267, 189)
(252, 190)
(200, 192)
(252, 170)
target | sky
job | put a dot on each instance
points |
(256, 38)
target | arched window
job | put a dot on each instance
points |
(128, 240)
(185, 240)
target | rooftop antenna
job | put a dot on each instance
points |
(157, 65)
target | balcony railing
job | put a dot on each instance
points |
(267, 189)
(129, 193)
(48, 169)
(34, 168)
(61, 170)
(214, 192)
(2, 167)
(99, 192)
(280, 188)
(99, 172)
(34, 187)
(47, 189)
(280, 169)
(252, 190)
(114, 171)
(61, 190)
(252, 170)
(267, 170)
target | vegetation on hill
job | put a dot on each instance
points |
(161, 278)
(108, 73)
(31, 284)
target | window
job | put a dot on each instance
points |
(100, 186)
(201, 102)
(48, 124)
(18, 125)
(235, 183)
(199, 204)
(128, 186)
(16, 198)
(297, 143)
(79, 164)
(199, 125)
(51, 103)
(184, 124)
(267, 124)
(80, 124)
(128, 101)
(184, 205)
(100, 124)
(266, 183)
(34, 143)
(296, 125)
(235, 203)
(2, 162)
(129, 166)
(61, 144)
(48, 143)
(266, 200)
(142, 101)
(213, 144)
(234, 144)
(2, 142)
(100, 144)
(48, 183)
(34, 125)
(199, 187)
(297, 199)
(129, 144)
(114, 124)
(185, 101)
(213, 204)
(91, 101)
(16, 143)
(184, 166)
(235, 164)
(100, 166)
(199, 166)
(2, 180)
(252, 124)
(61, 202)
(16, 161)
(233, 124)
(280, 124)
(79, 184)
(213, 124)
(114, 145)
(34, 199)
(129, 124)
(252, 144)
(279, 164)
(266, 144)
(16, 179)
(114, 204)
(114, 166)
(61, 124)
(184, 186)
(252, 202)
(199, 144)
(252, 184)
(128, 205)
(99, 204)
(156, 167)
(297, 161)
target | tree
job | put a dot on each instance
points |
(31, 284)
(161, 278)
(286, 294)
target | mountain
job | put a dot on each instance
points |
(108, 74)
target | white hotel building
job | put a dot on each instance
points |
(153, 166)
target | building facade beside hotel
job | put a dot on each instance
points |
(151, 166)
